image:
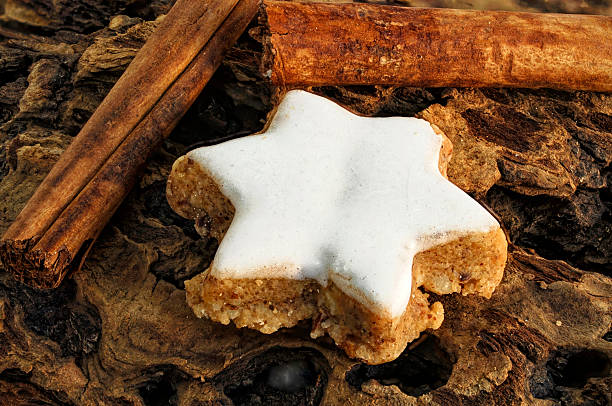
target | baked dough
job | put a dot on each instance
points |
(342, 219)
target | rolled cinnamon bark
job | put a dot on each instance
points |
(320, 44)
(53, 233)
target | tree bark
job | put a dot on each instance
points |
(120, 333)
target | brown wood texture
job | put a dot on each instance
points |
(315, 44)
(55, 230)
(119, 332)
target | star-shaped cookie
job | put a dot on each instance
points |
(339, 218)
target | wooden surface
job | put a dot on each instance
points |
(120, 333)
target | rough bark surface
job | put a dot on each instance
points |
(434, 47)
(120, 332)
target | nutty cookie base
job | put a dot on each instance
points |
(363, 331)
(469, 264)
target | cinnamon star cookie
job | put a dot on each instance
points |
(342, 219)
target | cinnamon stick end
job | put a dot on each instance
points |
(36, 268)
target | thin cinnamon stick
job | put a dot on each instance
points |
(52, 235)
(320, 44)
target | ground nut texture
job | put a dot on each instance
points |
(120, 331)
(446, 248)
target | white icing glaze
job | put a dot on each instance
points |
(326, 194)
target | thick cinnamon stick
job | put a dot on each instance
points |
(53, 233)
(348, 44)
